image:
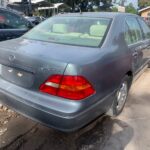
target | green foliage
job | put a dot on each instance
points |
(130, 9)
(144, 3)
(114, 9)
(73, 2)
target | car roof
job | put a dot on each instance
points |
(97, 14)
(10, 10)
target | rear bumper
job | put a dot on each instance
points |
(54, 112)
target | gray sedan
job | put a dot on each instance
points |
(72, 68)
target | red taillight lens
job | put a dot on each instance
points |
(70, 87)
(51, 85)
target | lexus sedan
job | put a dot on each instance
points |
(72, 68)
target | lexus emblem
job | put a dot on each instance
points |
(12, 58)
(10, 70)
(19, 74)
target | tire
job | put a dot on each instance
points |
(149, 65)
(119, 103)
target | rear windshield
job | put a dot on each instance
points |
(71, 31)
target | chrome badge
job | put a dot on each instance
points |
(19, 74)
(11, 58)
(10, 70)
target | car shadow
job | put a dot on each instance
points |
(106, 133)
(103, 134)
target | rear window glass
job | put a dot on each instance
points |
(71, 31)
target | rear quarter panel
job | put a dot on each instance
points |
(107, 68)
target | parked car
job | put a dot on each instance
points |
(35, 19)
(12, 25)
(72, 68)
(147, 20)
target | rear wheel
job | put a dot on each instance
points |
(149, 64)
(120, 98)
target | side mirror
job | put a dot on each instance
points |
(30, 25)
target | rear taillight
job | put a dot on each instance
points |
(66, 86)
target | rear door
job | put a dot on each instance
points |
(134, 39)
(146, 41)
(11, 25)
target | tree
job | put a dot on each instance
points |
(144, 3)
(86, 5)
(107, 4)
(130, 9)
(120, 2)
(114, 9)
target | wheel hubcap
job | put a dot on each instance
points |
(122, 96)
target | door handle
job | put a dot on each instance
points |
(8, 38)
(135, 54)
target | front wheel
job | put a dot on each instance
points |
(120, 98)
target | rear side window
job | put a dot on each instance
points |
(145, 29)
(9, 20)
(133, 33)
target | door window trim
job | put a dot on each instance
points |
(144, 38)
(125, 23)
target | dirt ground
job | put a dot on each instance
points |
(129, 131)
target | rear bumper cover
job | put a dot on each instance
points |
(54, 112)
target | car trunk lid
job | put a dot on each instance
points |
(37, 60)
(23, 63)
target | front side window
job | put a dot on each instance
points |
(80, 31)
(128, 35)
(133, 31)
(145, 29)
(9, 20)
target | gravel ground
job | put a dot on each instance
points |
(129, 131)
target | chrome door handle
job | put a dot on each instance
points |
(135, 54)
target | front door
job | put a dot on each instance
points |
(146, 42)
(7, 34)
(134, 39)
